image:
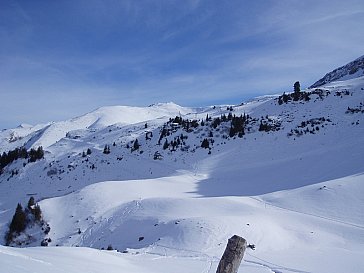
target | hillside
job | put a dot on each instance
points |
(351, 70)
(166, 185)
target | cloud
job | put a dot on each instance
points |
(69, 57)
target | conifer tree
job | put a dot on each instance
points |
(136, 145)
(205, 144)
(19, 221)
(40, 152)
(106, 149)
(297, 87)
(165, 145)
(31, 203)
(37, 213)
(297, 90)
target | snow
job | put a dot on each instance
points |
(298, 199)
(49, 134)
(352, 70)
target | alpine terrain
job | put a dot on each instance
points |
(161, 188)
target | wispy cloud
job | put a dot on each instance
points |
(64, 58)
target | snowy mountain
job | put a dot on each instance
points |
(48, 134)
(165, 186)
(351, 70)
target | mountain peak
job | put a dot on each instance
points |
(354, 69)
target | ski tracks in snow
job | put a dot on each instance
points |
(308, 214)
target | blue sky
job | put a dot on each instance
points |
(60, 59)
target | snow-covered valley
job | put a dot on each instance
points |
(290, 181)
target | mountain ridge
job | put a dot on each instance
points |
(283, 173)
(351, 70)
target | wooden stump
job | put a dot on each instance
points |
(233, 255)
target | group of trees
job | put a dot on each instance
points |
(174, 123)
(9, 157)
(23, 218)
(237, 126)
(267, 124)
(177, 141)
(88, 152)
(297, 95)
(359, 109)
(311, 126)
(186, 124)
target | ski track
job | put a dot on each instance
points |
(272, 266)
(308, 214)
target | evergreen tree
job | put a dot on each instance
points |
(280, 101)
(40, 152)
(297, 90)
(231, 131)
(165, 145)
(136, 145)
(31, 203)
(285, 97)
(106, 149)
(88, 152)
(216, 122)
(297, 87)
(205, 144)
(37, 213)
(19, 221)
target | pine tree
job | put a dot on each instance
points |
(205, 144)
(37, 213)
(297, 90)
(19, 221)
(40, 152)
(165, 145)
(297, 87)
(232, 131)
(106, 149)
(31, 203)
(136, 145)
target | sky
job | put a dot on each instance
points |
(61, 59)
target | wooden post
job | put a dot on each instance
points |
(233, 255)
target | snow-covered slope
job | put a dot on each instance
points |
(351, 70)
(291, 184)
(299, 231)
(47, 135)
